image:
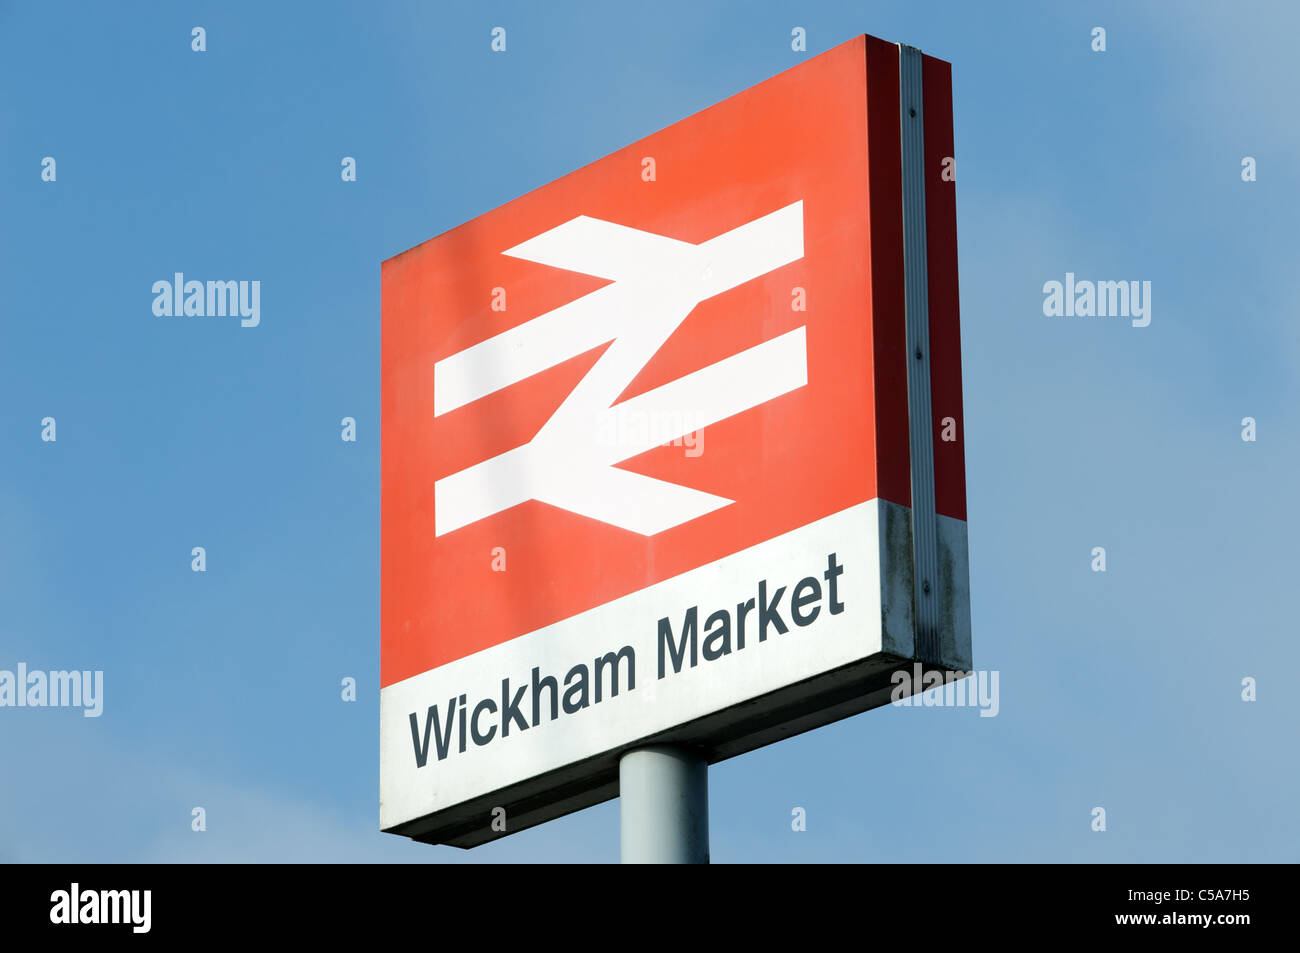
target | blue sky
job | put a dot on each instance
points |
(1120, 690)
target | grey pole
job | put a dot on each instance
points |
(663, 806)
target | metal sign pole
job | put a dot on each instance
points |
(663, 806)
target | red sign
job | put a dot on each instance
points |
(690, 347)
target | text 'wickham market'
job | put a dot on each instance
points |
(608, 674)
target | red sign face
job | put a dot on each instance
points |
(661, 359)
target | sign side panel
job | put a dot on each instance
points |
(945, 332)
(949, 425)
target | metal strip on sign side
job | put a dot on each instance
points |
(917, 304)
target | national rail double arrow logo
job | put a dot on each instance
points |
(656, 282)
